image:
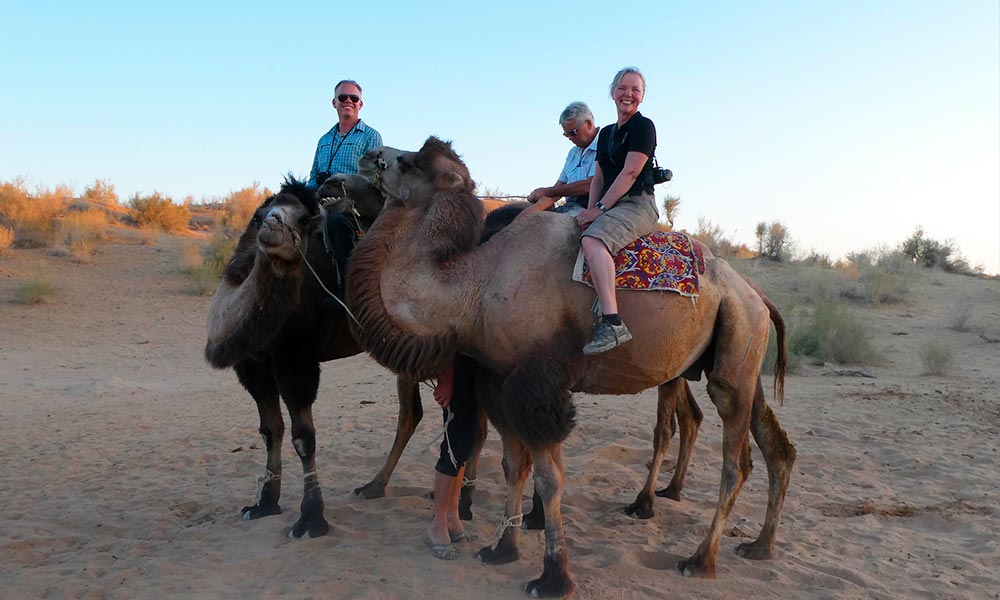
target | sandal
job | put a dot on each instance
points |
(442, 551)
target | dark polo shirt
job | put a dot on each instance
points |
(638, 134)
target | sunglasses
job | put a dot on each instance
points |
(354, 98)
(572, 132)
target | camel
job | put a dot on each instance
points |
(266, 322)
(423, 290)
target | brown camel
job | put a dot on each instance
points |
(423, 290)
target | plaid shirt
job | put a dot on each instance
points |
(337, 153)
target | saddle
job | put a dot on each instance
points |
(662, 260)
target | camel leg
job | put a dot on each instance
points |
(689, 417)
(410, 413)
(734, 403)
(779, 455)
(258, 379)
(667, 398)
(472, 470)
(516, 467)
(534, 519)
(555, 581)
(298, 380)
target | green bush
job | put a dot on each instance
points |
(159, 211)
(830, 332)
(937, 357)
(35, 291)
(205, 276)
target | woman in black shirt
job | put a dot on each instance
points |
(621, 206)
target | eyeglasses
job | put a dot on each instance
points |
(354, 98)
(572, 132)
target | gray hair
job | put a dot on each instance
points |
(576, 111)
(343, 81)
(621, 74)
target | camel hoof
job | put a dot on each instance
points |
(755, 551)
(640, 510)
(316, 526)
(500, 556)
(249, 513)
(551, 586)
(370, 491)
(669, 492)
(693, 567)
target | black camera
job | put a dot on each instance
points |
(661, 175)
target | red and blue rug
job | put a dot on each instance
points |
(665, 261)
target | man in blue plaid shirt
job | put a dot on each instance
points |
(338, 151)
(340, 148)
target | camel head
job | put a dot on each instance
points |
(415, 178)
(342, 192)
(282, 223)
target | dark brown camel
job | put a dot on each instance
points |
(423, 291)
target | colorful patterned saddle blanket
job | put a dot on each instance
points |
(659, 261)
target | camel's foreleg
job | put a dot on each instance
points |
(734, 403)
(516, 467)
(258, 379)
(298, 381)
(667, 399)
(410, 413)
(779, 456)
(555, 581)
(689, 417)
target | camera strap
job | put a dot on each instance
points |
(329, 163)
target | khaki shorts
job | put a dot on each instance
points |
(630, 218)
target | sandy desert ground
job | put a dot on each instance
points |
(130, 460)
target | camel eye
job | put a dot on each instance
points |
(304, 220)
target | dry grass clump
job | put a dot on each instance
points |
(159, 211)
(881, 276)
(722, 244)
(205, 277)
(191, 257)
(36, 291)
(32, 216)
(81, 231)
(6, 239)
(937, 357)
(960, 318)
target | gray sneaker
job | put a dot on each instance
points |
(606, 336)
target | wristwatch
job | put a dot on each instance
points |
(601, 206)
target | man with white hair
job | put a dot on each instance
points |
(577, 122)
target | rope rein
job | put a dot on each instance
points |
(506, 523)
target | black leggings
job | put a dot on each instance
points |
(464, 426)
(341, 233)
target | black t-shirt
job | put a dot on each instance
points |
(638, 134)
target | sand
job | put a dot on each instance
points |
(130, 459)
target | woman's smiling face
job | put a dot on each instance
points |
(628, 94)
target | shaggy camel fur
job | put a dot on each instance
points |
(266, 321)
(423, 291)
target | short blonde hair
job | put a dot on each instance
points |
(621, 74)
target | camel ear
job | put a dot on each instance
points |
(448, 181)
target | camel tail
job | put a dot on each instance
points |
(781, 363)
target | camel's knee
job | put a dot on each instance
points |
(271, 435)
(305, 445)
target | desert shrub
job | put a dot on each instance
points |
(35, 291)
(671, 206)
(32, 215)
(931, 253)
(80, 231)
(881, 276)
(815, 259)
(101, 192)
(815, 284)
(6, 239)
(205, 277)
(719, 242)
(830, 332)
(937, 357)
(158, 210)
(191, 257)
(239, 206)
(960, 318)
(149, 234)
(772, 241)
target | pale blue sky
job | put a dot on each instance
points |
(850, 122)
